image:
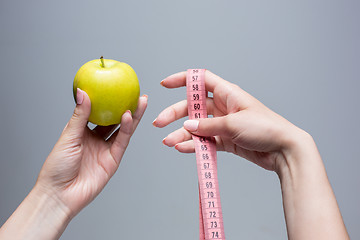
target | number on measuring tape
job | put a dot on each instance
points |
(211, 220)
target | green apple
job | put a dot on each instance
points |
(112, 86)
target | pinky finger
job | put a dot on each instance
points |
(142, 104)
(219, 144)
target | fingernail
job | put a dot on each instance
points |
(79, 96)
(129, 112)
(145, 96)
(191, 125)
(163, 141)
(162, 82)
(154, 122)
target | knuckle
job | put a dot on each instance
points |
(76, 114)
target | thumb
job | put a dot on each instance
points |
(81, 113)
(208, 127)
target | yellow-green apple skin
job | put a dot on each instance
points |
(112, 87)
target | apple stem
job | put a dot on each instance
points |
(102, 61)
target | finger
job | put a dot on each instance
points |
(186, 146)
(217, 126)
(175, 80)
(179, 80)
(142, 104)
(212, 81)
(105, 131)
(79, 119)
(176, 137)
(120, 140)
(189, 146)
(178, 111)
(220, 146)
(108, 131)
(171, 114)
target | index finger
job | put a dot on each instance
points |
(179, 80)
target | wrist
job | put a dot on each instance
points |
(310, 206)
(48, 212)
(300, 155)
(40, 216)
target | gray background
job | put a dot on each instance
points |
(299, 58)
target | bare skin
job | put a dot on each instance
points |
(78, 168)
(82, 162)
(244, 126)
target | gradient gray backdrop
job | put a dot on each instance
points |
(300, 58)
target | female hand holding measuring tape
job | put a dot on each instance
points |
(244, 126)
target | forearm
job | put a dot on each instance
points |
(39, 216)
(310, 206)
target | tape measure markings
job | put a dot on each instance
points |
(211, 220)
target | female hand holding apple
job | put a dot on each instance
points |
(79, 166)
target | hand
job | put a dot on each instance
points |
(241, 124)
(77, 169)
(244, 126)
(82, 162)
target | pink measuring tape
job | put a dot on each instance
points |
(211, 220)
